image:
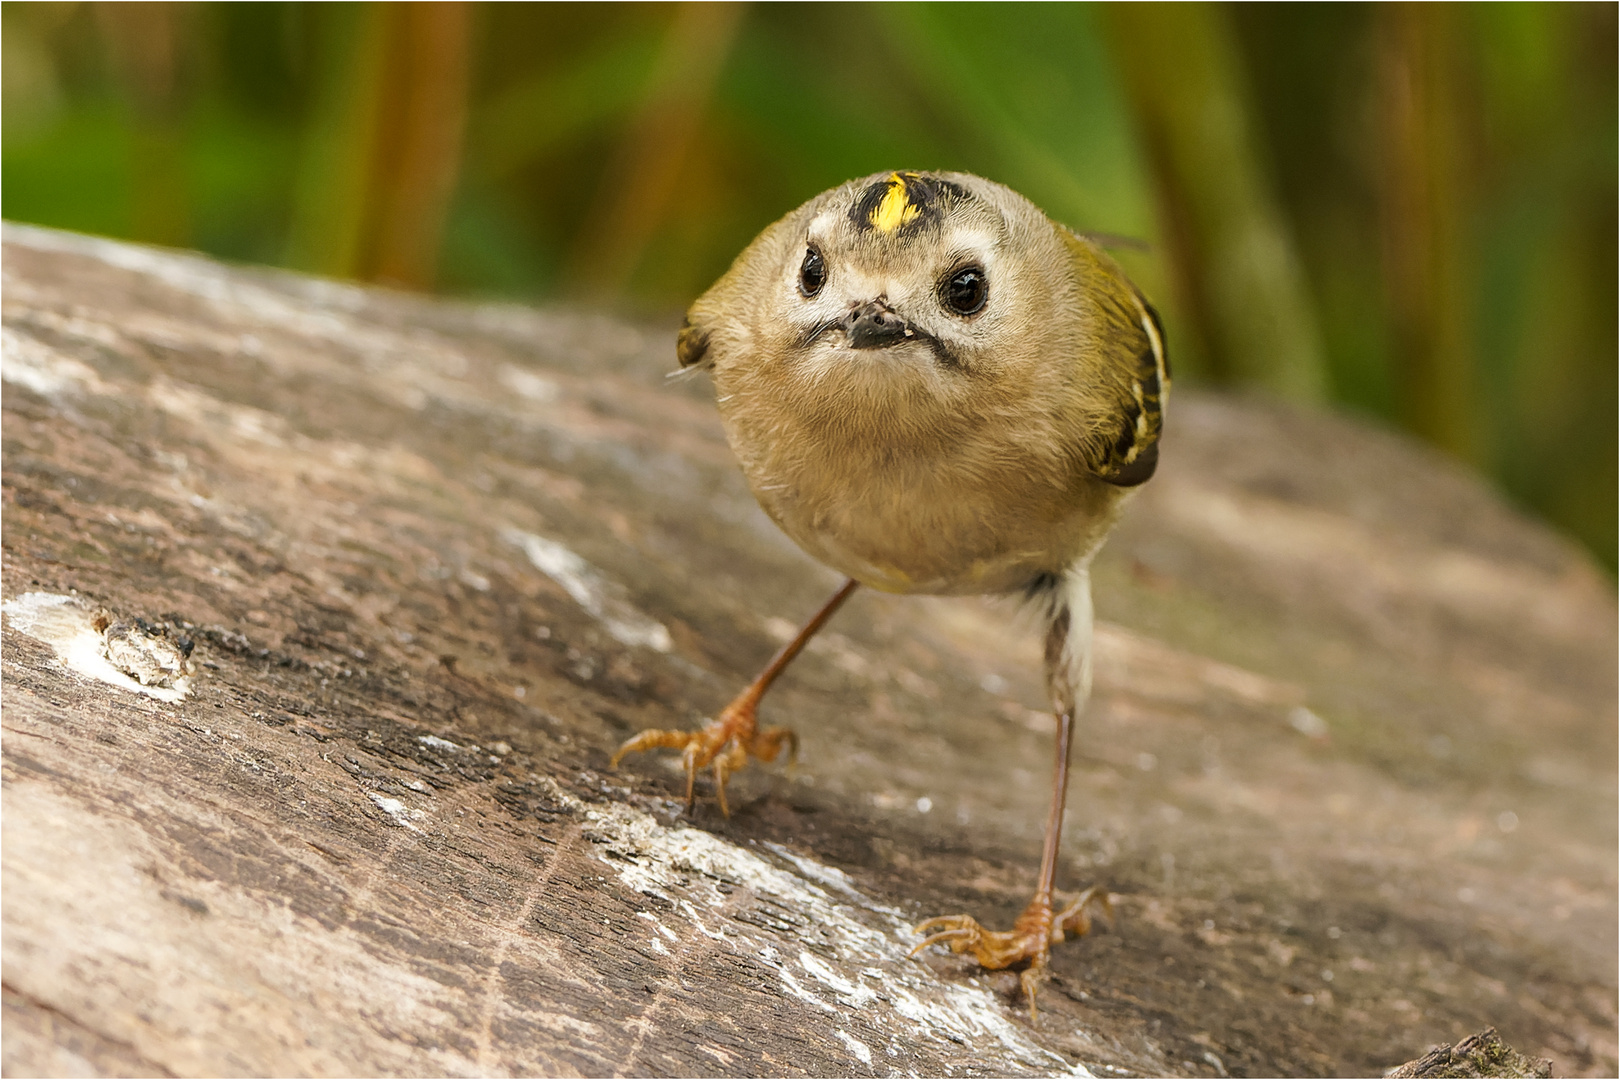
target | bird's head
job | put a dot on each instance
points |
(934, 277)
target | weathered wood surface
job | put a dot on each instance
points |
(1480, 1055)
(1350, 767)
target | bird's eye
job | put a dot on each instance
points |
(812, 272)
(965, 291)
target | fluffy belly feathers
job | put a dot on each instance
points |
(931, 526)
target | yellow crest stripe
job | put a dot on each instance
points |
(896, 208)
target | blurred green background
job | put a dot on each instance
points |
(1405, 210)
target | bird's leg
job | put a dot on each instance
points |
(727, 742)
(1028, 944)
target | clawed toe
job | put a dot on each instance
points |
(993, 949)
(958, 928)
(1075, 920)
(652, 740)
(768, 743)
(733, 737)
(1027, 945)
(724, 744)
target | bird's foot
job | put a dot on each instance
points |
(1028, 944)
(725, 744)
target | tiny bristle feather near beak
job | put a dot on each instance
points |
(813, 333)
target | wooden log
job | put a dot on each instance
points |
(1482, 1054)
(1349, 770)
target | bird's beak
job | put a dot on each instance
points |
(875, 325)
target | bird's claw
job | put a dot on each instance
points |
(1075, 920)
(725, 743)
(1027, 944)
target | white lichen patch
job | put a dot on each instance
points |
(601, 597)
(398, 812)
(849, 992)
(29, 363)
(244, 423)
(528, 384)
(660, 927)
(826, 875)
(69, 628)
(856, 1047)
(849, 960)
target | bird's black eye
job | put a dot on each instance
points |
(965, 291)
(812, 272)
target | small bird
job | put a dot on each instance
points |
(932, 387)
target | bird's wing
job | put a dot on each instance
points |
(692, 344)
(1129, 368)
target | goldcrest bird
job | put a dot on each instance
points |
(932, 387)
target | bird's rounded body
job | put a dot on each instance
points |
(934, 388)
(955, 454)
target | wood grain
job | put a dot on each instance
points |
(1350, 768)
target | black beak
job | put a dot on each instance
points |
(875, 326)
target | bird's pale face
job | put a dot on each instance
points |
(904, 275)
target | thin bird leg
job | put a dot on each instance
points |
(1028, 944)
(728, 741)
